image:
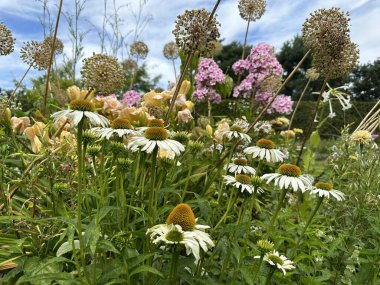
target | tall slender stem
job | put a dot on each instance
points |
(18, 85)
(278, 208)
(298, 103)
(269, 277)
(178, 86)
(310, 128)
(51, 56)
(320, 200)
(80, 190)
(174, 267)
(245, 40)
(175, 71)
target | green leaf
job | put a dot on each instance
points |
(67, 247)
(314, 140)
(144, 268)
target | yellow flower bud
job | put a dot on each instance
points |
(209, 130)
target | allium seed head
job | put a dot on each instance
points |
(103, 73)
(7, 41)
(139, 49)
(170, 50)
(194, 32)
(252, 10)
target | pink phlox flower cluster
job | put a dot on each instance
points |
(208, 75)
(240, 66)
(261, 62)
(244, 89)
(201, 94)
(131, 98)
(282, 104)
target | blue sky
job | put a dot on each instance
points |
(282, 20)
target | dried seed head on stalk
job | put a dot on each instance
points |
(129, 64)
(7, 41)
(37, 54)
(139, 49)
(326, 33)
(48, 45)
(194, 32)
(326, 29)
(103, 73)
(336, 67)
(170, 50)
(252, 10)
(312, 74)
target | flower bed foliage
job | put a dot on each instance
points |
(103, 185)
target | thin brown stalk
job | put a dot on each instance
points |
(363, 122)
(187, 62)
(298, 103)
(310, 127)
(18, 85)
(245, 40)
(51, 56)
(178, 86)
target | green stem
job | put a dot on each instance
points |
(269, 277)
(230, 203)
(310, 127)
(278, 208)
(174, 267)
(80, 190)
(310, 218)
(258, 267)
(152, 192)
(187, 182)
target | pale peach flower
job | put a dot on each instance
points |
(20, 124)
(184, 116)
(36, 144)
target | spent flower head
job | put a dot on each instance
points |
(196, 31)
(103, 73)
(251, 10)
(139, 49)
(170, 50)
(7, 41)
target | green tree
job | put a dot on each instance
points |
(365, 81)
(229, 55)
(142, 81)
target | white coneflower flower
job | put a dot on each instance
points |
(78, 109)
(181, 228)
(263, 126)
(155, 136)
(279, 261)
(265, 149)
(236, 132)
(119, 127)
(244, 183)
(289, 175)
(240, 165)
(325, 189)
